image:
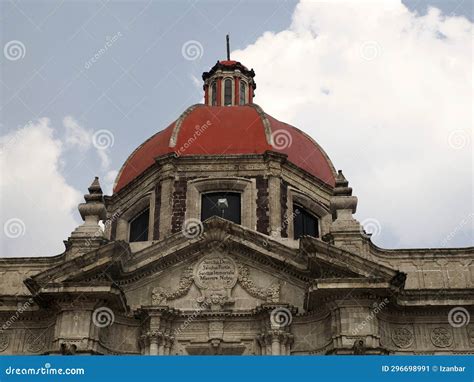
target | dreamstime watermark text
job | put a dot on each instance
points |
(198, 131)
(109, 42)
(44, 370)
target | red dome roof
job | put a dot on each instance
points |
(228, 130)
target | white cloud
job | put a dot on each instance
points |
(34, 193)
(196, 82)
(38, 207)
(104, 158)
(76, 135)
(108, 182)
(383, 90)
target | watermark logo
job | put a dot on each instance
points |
(281, 139)
(14, 228)
(370, 50)
(458, 317)
(103, 317)
(103, 139)
(192, 50)
(370, 227)
(192, 228)
(458, 139)
(281, 317)
(14, 50)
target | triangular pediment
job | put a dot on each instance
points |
(115, 262)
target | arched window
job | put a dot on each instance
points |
(223, 204)
(304, 223)
(227, 92)
(139, 227)
(243, 89)
(214, 94)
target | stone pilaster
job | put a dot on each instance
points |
(274, 162)
(276, 337)
(167, 179)
(157, 338)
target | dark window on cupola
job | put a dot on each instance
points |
(304, 223)
(227, 92)
(214, 94)
(243, 88)
(223, 204)
(139, 226)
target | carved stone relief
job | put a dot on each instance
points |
(270, 294)
(35, 342)
(402, 337)
(216, 275)
(160, 296)
(441, 337)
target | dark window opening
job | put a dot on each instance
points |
(214, 94)
(243, 87)
(304, 223)
(223, 204)
(139, 227)
(227, 92)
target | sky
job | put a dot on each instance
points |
(385, 87)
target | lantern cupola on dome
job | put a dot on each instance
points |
(228, 83)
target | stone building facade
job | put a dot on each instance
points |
(279, 267)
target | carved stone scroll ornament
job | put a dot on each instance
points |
(441, 337)
(270, 294)
(160, 296)
(202, 274)
(402, 337)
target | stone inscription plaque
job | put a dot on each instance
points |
(216, 272)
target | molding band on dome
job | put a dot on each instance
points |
(266, 123)
(179, 122)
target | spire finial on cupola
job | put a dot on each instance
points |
(228, 83)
